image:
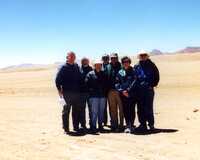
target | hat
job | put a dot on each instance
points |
(143, 52)
(114, 55)
(97, 62)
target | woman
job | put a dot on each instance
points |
(124, 81)
(95, 81)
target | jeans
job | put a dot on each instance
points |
(97, 110)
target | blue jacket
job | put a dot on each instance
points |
(125, 79)
(147, 74)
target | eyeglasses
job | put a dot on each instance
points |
(126, 62)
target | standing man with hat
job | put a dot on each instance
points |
(68, 85)
(114, 100)
(148, 78)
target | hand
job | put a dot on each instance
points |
(125, 93)
(60, 93)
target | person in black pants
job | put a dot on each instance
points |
(68, 85)
(123, 81)
(105, 68)
(148, 77)
(84, 93)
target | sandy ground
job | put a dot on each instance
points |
(30, 121)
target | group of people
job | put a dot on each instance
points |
(111, 88)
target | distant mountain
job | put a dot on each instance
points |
(30, 66)
(156, 52)
(189, 50)
(24, 66)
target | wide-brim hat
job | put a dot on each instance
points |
(143, 52)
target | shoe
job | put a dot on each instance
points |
(141, 129)
(121, 128)
(101, 129)
(76, 129)
(105, 124)
(83, 129)
(127, 130)
(151, 128)
(66, 130)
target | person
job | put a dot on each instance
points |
(124, 79)
(96, 82)
(84, 95)
(105, 68)
(148, 77)
(68, 86)
(114, 99)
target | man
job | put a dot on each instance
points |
(68, 86)
(124, 79)
(96, 82)
(106, 69)
(84, 96)
(148, 77)
(114, 99)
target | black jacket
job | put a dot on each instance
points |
(84, 72)
(96, 83)
(68, 78)
(151, 75)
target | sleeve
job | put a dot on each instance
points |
(132, 83)
(118, 83)
(58, 80)
(87, 80)
(156, 75)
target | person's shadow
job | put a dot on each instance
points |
(155, 131)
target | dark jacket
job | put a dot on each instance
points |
(147, 73)
(84, 72)
(96, 83)
(68, 78)
(124, 79)
(112, 73)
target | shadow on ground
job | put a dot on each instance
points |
(107, 131)
(156, 131)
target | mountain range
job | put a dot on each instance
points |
(153, 52)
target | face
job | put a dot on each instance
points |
(143, 57)
(105, 60)
(126, 64)
(85, 62)
(114, 60)
(98, 66)
(71, 57)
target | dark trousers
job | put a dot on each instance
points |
(145, 107)
(84, 100)
(129, 110)
(72, 100)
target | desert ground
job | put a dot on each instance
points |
(30, 120)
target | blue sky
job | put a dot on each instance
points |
(41, 31)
